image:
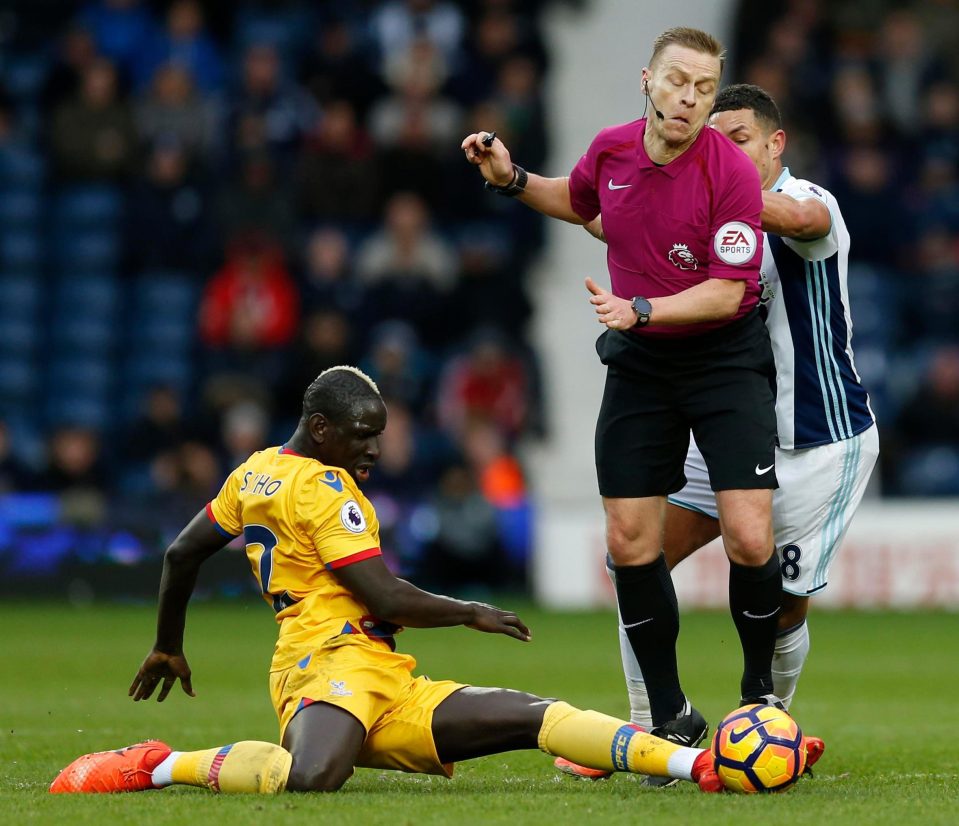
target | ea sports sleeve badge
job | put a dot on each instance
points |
(735, 243)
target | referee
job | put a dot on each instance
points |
(685, 349)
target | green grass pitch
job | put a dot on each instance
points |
(879, 688)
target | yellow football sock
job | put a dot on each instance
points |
(603, 742)
(246, 766)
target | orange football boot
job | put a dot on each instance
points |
(582, 772)
(128, 769)
(814, 749)
(704, 773)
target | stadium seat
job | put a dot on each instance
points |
(87, 250)
(19, 379)
(871, 291)
(137, 481)
(76, 375)
(96, 294)
(872, 364)
(173, 293)
(864, 279)
(24, 74)
(86, 334)
(149, 369)
(32, 121)
(20, 208)
(491, 236)
(162, 327)
(84, 384)
(871, 323)
(21, 335)
(287, 29)
(21, 166)
(85, 409)
(20, 249)
(906, 370)
(931, 471)
(20, 292)
(93, 207)
(163, 335)
(26, 433)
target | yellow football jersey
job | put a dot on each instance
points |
(300, 520)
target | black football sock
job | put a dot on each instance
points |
(650, 613)
(755, 596)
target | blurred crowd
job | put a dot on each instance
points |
(203, 205)
(870, 94)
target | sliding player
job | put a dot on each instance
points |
(343, 695)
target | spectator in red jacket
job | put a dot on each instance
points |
(252, 303)
(488, 383)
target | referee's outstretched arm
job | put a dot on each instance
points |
(547, 195)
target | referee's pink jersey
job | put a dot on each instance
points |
(671, 227)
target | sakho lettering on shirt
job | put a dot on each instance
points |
(260, 484)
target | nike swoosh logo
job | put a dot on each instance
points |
(761, 470)
(641, 622)
(760, 616)
(739, 736)
(618, 186)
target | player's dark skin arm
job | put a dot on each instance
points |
(325, 741)
(396, 600)
(166, 663)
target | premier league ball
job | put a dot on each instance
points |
(759, 748)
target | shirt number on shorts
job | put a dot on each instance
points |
(791, 554)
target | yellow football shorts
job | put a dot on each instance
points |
(377, 687)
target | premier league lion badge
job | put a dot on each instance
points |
(683, 258)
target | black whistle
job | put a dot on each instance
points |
(488, 140)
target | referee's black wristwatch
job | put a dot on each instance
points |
(642, 308)
(515, 187)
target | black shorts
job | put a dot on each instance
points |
(720, 385)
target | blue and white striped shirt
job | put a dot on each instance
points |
(820, 398)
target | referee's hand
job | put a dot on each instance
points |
(615, 312)
(494, 161)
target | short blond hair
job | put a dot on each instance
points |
(689, 38)
(338, 392)
(349, 368)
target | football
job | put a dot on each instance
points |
(759, 748)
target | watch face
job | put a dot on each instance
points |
(642, 308)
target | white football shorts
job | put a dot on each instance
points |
(820, 489)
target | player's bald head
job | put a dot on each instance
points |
(339, 393)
